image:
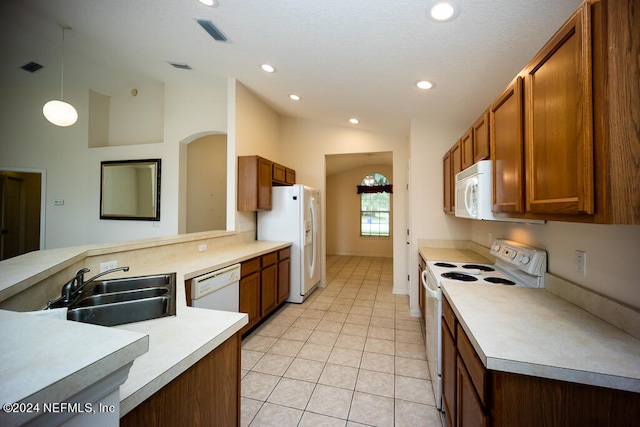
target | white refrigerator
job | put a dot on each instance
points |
(295, 217)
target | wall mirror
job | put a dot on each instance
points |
(130, 189)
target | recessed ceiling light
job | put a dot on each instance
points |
(268, 68)
(210, 3)
(443, 11)
(424, 85)
(354, 121)
(294, 97)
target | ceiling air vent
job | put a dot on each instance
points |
(180, 65)
(31, 67)
(213, 31)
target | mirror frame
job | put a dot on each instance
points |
(104, 191)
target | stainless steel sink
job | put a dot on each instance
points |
(119, 313)
(131, 299)
(132, 283)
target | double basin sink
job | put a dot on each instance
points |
(113, 302)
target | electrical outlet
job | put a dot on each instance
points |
(581, 263)
(203, 247)
(109, 265)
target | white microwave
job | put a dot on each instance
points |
(473, 192)
(473, 198)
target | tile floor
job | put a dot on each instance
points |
(350, 355)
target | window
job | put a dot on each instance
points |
(375, 205)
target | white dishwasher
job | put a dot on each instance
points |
(218, 290)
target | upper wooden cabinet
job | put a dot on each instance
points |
(481, 139)
(447, 188)
(559, 122)
(506, 149)
(254, 183)
(256, 176)
(283, 175)
(466, 149)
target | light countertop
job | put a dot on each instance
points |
(533, 332)
(174, 343)
(47, 359)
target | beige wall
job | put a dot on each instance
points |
(305, 143)
(207, 183)
(613, 269)
(343, 215)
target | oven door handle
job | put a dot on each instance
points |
(425, 282)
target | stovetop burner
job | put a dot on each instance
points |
(480, 267)
(445, 264)
(500, 281)
(459, 276)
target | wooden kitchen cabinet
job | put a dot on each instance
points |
(449, 366)
(269, 283)
(447, 193)
(262, 285)
(256, 177)
(206, 394)
(282, 175)
(481, 138)
(466, 149)
(422, 297)
(507, 144)
(486, 397)
(250, 291)
(559, 122)
(254, 183)
(284, 274)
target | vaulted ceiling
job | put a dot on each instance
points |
(345, 59)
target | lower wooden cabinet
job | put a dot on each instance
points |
(264, 285)
(206, 394)
(284, 274)
(475, 396)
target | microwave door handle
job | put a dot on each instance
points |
(425, 282)
(467, 196)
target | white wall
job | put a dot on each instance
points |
(429, 141)
(304, 146)
(613, 267)
(342, 209)
(27, 140)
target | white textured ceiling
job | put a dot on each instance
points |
(343, 57)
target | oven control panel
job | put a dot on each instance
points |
(523, 257)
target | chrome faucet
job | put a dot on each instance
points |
(73, 287)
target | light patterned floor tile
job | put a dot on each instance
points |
(310, 419)
(352, 342)
(292, 393)
(354, 329)
(409, 367)
(411, 414)
(372, 410)
(414, 390)
(286, 347)
(379, 383)
(375, 345)
(323, 337)
(306, 370)
(316, 352)
(345, 357)
(250, 358)
(271, 415)
(339, 376)
(273, 364)
(249, 409)
(258, 386)
(331, 401)
(258, 343)
(377, 362)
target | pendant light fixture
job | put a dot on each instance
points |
(58, 112)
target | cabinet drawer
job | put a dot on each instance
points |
(250, 266)
(474, 365)
(269, 259)
(284, 253)
(449, 316)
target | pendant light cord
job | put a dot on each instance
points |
(62, 68)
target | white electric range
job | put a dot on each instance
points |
(516, 265)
